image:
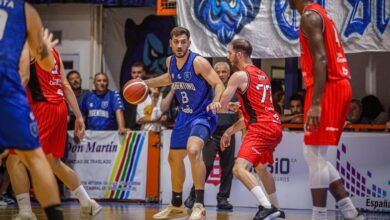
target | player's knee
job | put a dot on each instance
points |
(55, 163)
(237, 170)
(194, 153)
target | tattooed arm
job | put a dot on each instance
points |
(39, 40)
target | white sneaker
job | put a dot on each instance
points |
(24, 216)
(198, 212)
(171, 212)
(87, 212)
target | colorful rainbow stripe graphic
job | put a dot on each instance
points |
(125, 165)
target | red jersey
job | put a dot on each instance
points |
(337, 62)
(46, 86)
(256, 100)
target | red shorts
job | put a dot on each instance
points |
(260, 142)
(334, 109)
(52, 125)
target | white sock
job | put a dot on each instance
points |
(260, 197)
(82, 195)
(319, 213)
(347, 208)
(24, 203)
(273, 198)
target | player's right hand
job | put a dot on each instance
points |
(225, 141)
(47, 38)
(214, 107)
(79, 129)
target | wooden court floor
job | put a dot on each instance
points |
(129, 211)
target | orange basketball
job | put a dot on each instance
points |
(135, 91)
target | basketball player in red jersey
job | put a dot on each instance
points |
(326, 77)
(253, 90)
(45, 92)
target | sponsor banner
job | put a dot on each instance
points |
(291, 173)
(272, 27)
(363, 163)
(110, 166)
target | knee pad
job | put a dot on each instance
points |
(318, 166)
(333, 173)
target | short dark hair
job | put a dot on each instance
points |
(242, 45)
(297, 97)
(138, 64)
(176, 31)
(71, 73)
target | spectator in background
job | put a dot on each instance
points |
(74, 80)
(149, 115)
(137, 71)
(103, 108)
(277, 96)
(355, 112)
(373, 111)
(212, 147)
(296, 109)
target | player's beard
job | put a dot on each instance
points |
(184, 53)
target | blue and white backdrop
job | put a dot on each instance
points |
(272, 27)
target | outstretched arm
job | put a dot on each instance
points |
(312, 25)
(70, 97)
(237, 81)
(40, 40)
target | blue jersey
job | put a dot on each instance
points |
(194, 95)
(13, 32)
(192, 91)
(18, 128)
(100, 110)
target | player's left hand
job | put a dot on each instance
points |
(313, 118)
(123, 130)
(214, 107)
(225, 141)
(79, 129)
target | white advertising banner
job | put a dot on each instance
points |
(291, 173)
(110, 166)
(272, 27)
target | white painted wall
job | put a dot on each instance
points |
(76, 22)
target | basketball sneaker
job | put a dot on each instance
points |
(267, 214)
(198, 212)
(87, 212)
(359, 217)
(24, 216)
(171, 212)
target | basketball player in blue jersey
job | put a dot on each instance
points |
(19, 22)
(193, 79)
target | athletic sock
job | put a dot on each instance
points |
(199, 196)
(54, 212)
(177, 199)
(319, 213)
(82, 195)
(260, 197)
(273, 198)
(24, 203)
(347, 208)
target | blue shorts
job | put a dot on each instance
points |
(18, 129)
(201, 127)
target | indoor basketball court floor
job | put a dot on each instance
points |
(130, 211)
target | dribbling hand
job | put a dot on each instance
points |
(214, 107)
(313, 118)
